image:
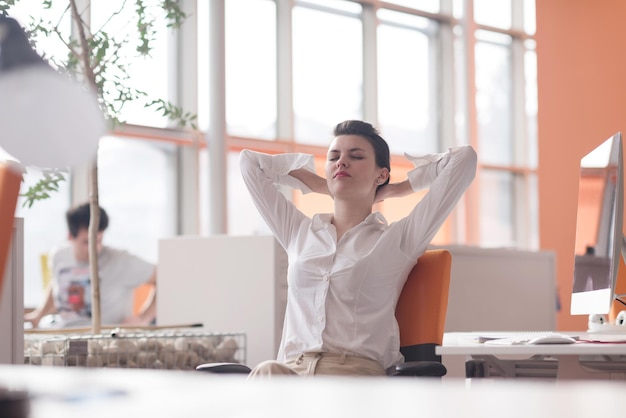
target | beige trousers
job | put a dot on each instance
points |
(319, 364)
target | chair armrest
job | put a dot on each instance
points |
(418, 368)
(224, 368)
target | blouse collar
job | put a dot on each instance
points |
(322, 220)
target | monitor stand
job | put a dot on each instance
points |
(615, 321)
(621, 271)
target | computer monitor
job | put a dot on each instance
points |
(599, 236)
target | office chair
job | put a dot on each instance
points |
(421, 315)
(10, 180)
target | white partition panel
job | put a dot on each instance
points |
(494, 289)
(229, 284)
(12, 301)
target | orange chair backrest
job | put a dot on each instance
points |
(422, 306)
(10, 180)
(141, 296)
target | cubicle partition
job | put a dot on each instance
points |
(12, 300)
(227, 283)
(502, 289)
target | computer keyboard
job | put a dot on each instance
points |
(605, 338)
(533, 338)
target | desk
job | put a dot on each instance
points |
(106, 393)
(562, 361)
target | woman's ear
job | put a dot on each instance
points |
(383, 176)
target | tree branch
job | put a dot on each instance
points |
(84, 53)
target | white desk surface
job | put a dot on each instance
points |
(80, 392)
(466, 343)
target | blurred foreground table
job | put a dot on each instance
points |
(82, 392)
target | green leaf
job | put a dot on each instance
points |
(42, 189)
(174, 113)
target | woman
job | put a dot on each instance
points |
(347, 268)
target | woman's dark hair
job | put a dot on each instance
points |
(367, 131)
(78, 218)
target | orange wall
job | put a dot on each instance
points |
(581, 47)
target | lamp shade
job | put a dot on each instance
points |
(46, 119)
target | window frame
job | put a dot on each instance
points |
(465, 219)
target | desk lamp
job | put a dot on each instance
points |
(46, 120)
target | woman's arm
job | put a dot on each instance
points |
(45, 308)
(262, 173)
(427, 167)
(314, 182)
(446, 176)
(390, 190)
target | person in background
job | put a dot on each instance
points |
(68, 294)
(347, 268)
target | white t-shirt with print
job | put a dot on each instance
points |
(120, 273)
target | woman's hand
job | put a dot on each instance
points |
(383, 192)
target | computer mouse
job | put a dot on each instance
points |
(552, 339)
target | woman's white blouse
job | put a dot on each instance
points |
(342, 294)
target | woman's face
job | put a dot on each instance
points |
(351, 170)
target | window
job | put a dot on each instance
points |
(44, 228)
(418, 70)
(404, 66)
(494, 98)
(497, 211)
(493, 13)
(137, 189)
(327, 71)
(251, 69)
(146, 74)
(431, 6)
(407, 82)
(137, 178)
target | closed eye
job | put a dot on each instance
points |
(354, 157)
